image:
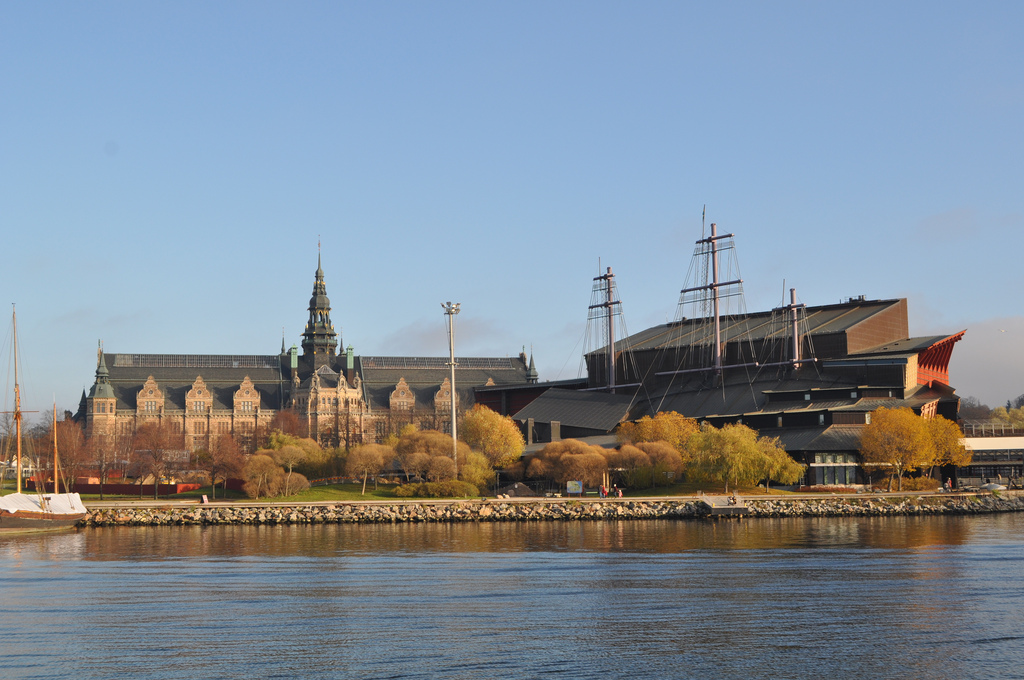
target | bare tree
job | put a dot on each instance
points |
(222, 461)
(154, 447)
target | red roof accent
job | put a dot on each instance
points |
(933, 362)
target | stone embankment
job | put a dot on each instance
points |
(547, 510)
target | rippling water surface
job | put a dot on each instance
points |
(842, 598)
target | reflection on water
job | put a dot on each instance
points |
(863, 598)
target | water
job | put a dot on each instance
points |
(808, 598)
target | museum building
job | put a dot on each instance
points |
(340, 399)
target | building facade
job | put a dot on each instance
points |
(338, 399)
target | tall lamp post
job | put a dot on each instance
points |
(450, 310)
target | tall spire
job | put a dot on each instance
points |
(101, 388)
(319, 341)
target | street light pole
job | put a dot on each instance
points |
(450, 310)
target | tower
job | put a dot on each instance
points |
(101, 402)
(319, 341)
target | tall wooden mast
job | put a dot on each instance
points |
(17, 395)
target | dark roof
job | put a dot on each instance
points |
(738, 395)
(822, 320)
(425, 375)
(175, 374)
(817, 439)
(908, 347)
(590, 410)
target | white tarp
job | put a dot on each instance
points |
(57, 503)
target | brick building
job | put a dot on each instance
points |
(339, 399)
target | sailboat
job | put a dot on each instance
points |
(40, 511)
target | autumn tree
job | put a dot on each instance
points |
(1007, 415)
(288, 457)
(948, 444)
(778, 464)
(262, 476)
(736, 455)
(431, 443)
(633, 465)
(667, 426)
(897, 440)
(496, 436)
(440, 469)
(304, 455)
(568, 460)
(666, 462)
(476, 469)
(368, 459)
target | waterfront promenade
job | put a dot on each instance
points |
(156, 513)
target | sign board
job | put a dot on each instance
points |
(574, 487)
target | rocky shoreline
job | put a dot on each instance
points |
(547, 510)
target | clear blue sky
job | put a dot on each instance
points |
(166, 170)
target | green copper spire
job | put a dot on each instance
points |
(319, 340)
(101, 389)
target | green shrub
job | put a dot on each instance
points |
(406, 490)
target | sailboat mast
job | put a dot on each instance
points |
(56, 463)
(17, 395)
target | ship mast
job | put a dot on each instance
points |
(714, 287)
(609, 305)
(17, 396)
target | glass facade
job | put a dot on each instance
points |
(834, 469)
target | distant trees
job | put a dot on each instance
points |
(971, 408)
(1013, 417)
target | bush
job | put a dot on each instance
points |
(449, 488)
(920, 484)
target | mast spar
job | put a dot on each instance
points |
(17, 396)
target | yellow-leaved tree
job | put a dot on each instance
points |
(666, 426)
(736, 455)
(496, 436)
(897, 440)
(948, 443)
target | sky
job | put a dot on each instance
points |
(167, 171)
